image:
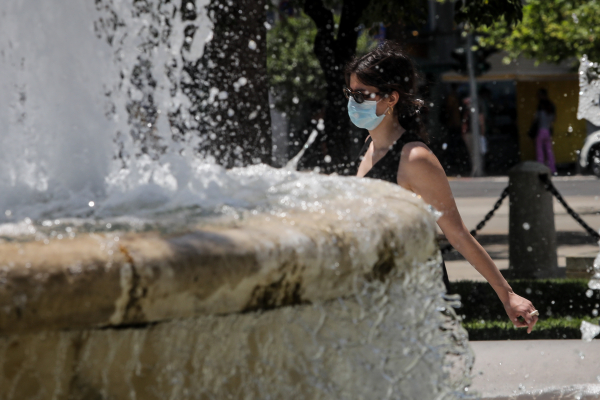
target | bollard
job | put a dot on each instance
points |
(531, 232)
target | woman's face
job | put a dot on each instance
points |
(383, 101)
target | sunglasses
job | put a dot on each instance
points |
(359, 96)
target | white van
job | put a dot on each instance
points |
(589, 158)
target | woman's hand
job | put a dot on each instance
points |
(517, 306)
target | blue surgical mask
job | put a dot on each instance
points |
(364, 115)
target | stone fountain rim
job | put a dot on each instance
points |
(93, 281)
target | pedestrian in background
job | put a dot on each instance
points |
(544, 118)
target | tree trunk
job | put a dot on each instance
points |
(333, 52)
(232, 100)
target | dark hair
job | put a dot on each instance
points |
(545, 104)
(389, 69)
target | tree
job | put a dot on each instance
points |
(551, 31)
(295, 76)
(229, 86)
(296, 79)
(335, 44)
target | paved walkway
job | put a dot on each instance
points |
(537, 369)
(532, 369)
(476, 196)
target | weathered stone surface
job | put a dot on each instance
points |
(257, 263)
(358, 348)
(341, 304)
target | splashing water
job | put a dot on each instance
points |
(88, 110)
(589, 91)
(589, 331)
(91, 110)
(594, 282)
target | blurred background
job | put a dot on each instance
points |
(510, 65)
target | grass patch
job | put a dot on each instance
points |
(562, 303)
(550, 328)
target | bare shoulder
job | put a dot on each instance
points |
(418, 164)
(417, 153)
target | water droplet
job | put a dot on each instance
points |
(8, 213)
(444, 146)
(589, 293)
(252, 45)
(526, 226)
(529, 249)
(327, 158)
(589, 331)
(321, 124)
(91, 204)
(295, 100)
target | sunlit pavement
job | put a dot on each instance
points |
(537, 369)
(476, 196)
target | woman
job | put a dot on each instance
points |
(544, 117)
(382, 98)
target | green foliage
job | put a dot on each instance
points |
(414, 12)
(551, 31)
(480, 13)
(552, 297)
(394, 12)
(295, 75)
(562, 303)
(294, 72)
(546, 328)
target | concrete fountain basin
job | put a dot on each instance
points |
(334, 304)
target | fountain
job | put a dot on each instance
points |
(132, 266)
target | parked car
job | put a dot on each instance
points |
(589, 157)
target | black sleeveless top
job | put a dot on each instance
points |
(386, 169)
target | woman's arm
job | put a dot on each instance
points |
(421, 172)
